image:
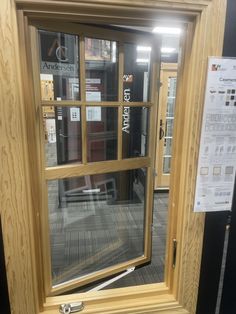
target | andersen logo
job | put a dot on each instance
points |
(59, 68)
(61, 52)
(126, 111)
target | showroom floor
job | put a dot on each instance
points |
(87, 236)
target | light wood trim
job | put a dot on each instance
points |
(15, 192)
(78, 169)
(120, 135)
(123, 12)
(189, 230)
(31, 136)
(147, 303)
(71, 103)
(151, 146)
(167, 70)
(207, 40)
(74, 170)
(173, 210)
(96, 32)
(169, 66)
(70, 285)
(138, 3)
(42, 197)
(155, 289)
(145, 300)
(211, 28)
(140, 306)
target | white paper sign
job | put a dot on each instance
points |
(217, 155)
(93, 114)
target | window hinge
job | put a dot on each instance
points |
(174, 253)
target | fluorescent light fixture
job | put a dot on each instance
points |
(113, 51)
(167, 50)
(167, 30)
(139, 60)
(142, 48)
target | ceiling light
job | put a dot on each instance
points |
(167, 50)
(167, 30)
(142, 60)
(142, 48)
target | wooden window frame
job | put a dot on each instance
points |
(204, 37)
(86, 168)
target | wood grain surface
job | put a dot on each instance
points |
(204, 38)
(14, 184)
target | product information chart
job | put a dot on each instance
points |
(217, 156)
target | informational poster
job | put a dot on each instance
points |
(217, 155)
(51, 130)
(93, 89)
(47, 89)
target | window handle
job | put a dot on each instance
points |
(161, 131)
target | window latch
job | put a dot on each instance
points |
(71, 308)
(78, 306)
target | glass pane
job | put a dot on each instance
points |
(62, 129)
(101, 133)
(172, 86)
(166, 165)
(134, 131)
(167, 146)
(136, 78)
(101, 62)
(59, 66)
(169, 127)
(170, 107)
(95, 221)
(171, 96)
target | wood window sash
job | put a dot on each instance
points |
(23, 279)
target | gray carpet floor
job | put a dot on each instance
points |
(89, 235)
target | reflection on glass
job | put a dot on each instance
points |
(167, 146)
(62, 129)
(134, 131)
(171, 96)
(169, 127)
(172, 86)
(101, 62)
(59, 66)
(166, 165)
(95, 221)
(169, 123)
(170, 106)
(101, 133)
(136, 73)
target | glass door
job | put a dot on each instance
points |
(98, 103)
(165, 124)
